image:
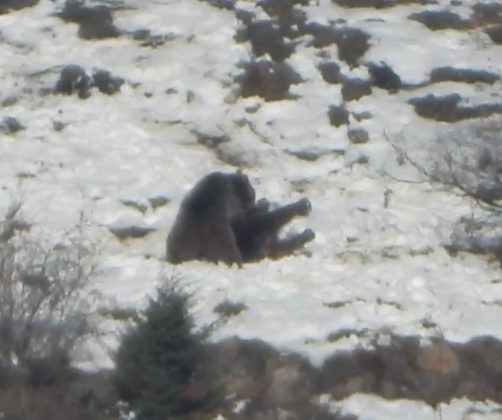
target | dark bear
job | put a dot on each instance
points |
(203, 227)
(219, 220)
(258, 233)
(73, 78)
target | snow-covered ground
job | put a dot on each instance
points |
(373, 268)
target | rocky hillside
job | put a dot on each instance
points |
(386, 114)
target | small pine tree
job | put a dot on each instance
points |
(159, 357)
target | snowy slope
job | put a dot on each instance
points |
(373, 269)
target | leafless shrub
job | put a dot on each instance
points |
(468, 160)
(45, 299)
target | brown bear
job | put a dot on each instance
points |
(219, 220)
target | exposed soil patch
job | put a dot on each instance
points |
(404, 369)
(330, 72)
(311, 154)
(358, 135)
(354, 89)
(73, 79)
(10, 125)
(267, 38)
(267, 79)
(487, 13)
(443, 74)
(437, 20)
(95, 22)
(495, 34)
(147, 39)
(384, 77)
(379, 4)
(352, 43)
(272, 381)
(131, 232)
(338, 115)
(221, 4)
(285, 14)
(448, 108)
(7, 5)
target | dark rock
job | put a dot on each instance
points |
(440, 19)
(106, 83)
(149, 40)
(221, 4)
(211, 140)
(95, 22)
(338, 115)
(384, 77)
(352, 45)
(228, 308)
(495, 34)
(487, 12)
(141, 34)
(58, 125)
(73, 79)
(378, 4)
(448, 109)
(284, 12)
(245, 16)
(323, 35)
(354, 89)
(358, 135)
(134, 232)
(10, 125)
(9, 101)
(443, 74)
(159, 201)
(6, 5)
(330, 72)
(266, 38)
(361, 116)
(312, 154)
(267, 79)
(142, 208)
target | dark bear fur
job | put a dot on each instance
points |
(219, 220)
(258, 233)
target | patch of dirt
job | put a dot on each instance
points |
(8, 5)
(266, 38)
(487, 13)
(338, 115)
(330, 72)
(448, 108)
(271, 381)
(312, 154)
(452, 74)
(379, 4)
(74, 79)
(352, 43)
(437, 20)
(286, 14)
(130, 232)
(433, 373)
(267, 79)
(221, 4)
(384, 77)
(495, 34)
(354, 89)
(95, 22)
(10, 125)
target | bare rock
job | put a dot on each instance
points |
(338, 115)
(358, 135)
